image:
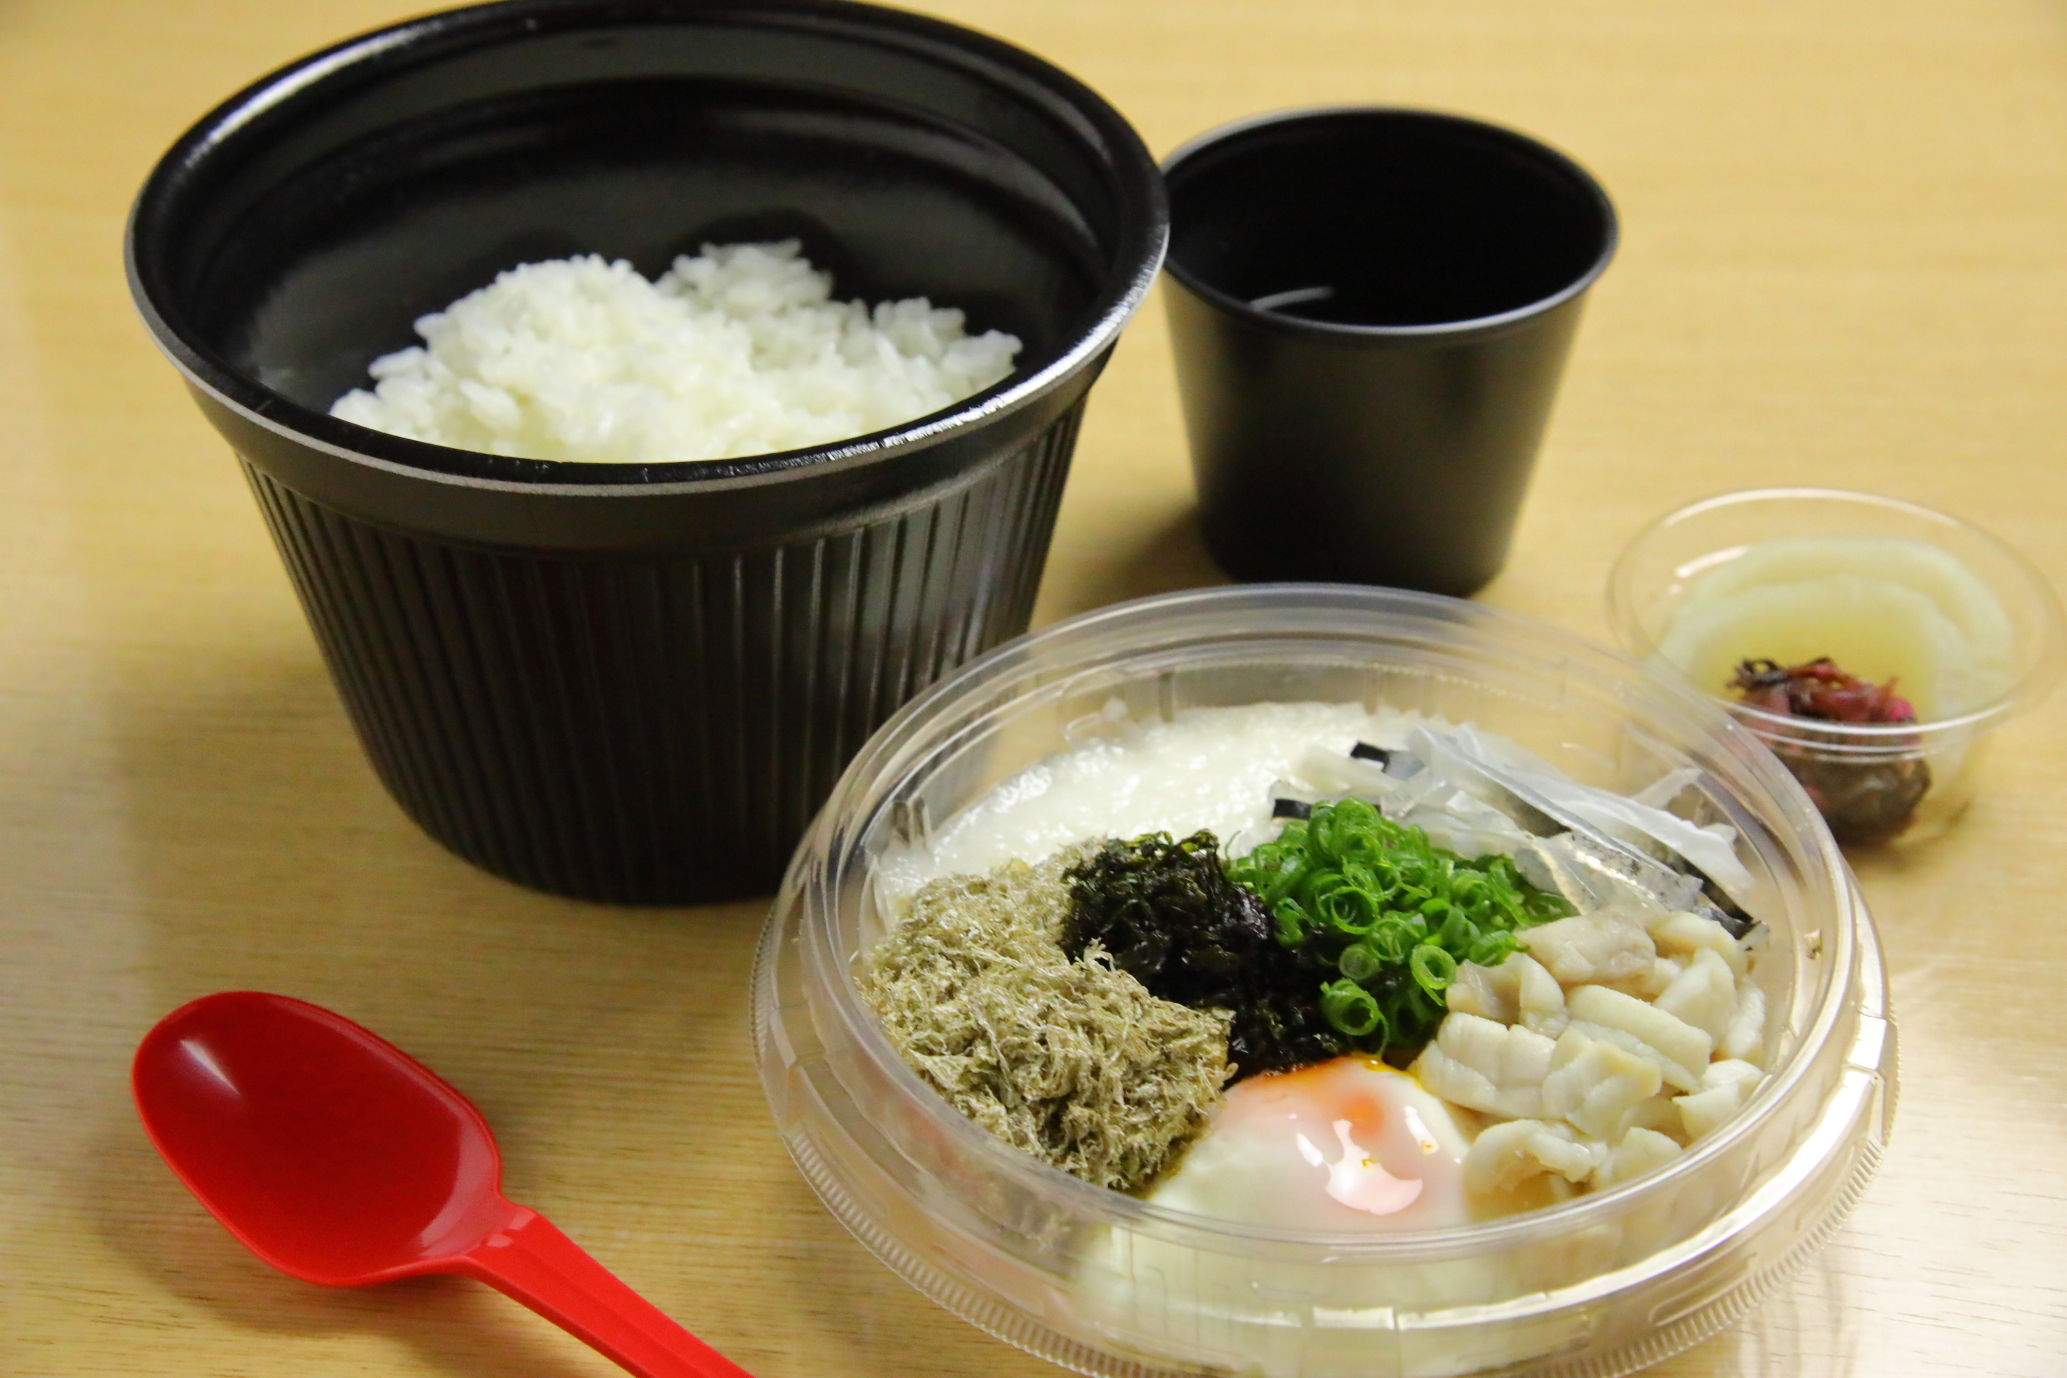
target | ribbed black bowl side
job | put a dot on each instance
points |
(656, 729)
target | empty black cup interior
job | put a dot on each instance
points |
(1383, 218)
(295, 255)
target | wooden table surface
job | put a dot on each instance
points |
(1844, 263)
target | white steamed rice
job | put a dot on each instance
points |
(738, 351)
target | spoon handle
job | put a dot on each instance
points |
(531, 1261)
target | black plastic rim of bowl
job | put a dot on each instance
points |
(1140, 242)
(1193, 150)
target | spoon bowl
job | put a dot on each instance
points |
(341, 1160)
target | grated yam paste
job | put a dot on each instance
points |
(1072, 1062)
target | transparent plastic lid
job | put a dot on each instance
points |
(1108, 1284)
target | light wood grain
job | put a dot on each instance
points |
(1845, 263)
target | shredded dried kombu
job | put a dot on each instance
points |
(1168, 914)
(1063, 1056)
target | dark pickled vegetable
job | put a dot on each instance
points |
(1864, 800)
(1817, 689)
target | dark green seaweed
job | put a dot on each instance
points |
(1169, 915)
(1342, 935)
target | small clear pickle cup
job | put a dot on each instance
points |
(1965, 628)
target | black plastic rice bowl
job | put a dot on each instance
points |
(637, 682)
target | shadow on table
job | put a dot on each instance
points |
(453, 1325)
(864, 1319)
(265, 854)
(262, 853)
(1807, 1329)
(1161, 557)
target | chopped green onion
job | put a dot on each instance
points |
(1360, 963)
(1391, 911)
(1352, 913)
(1394, 937)
(1492, 949)
(1433, 968)
(1350, 1009)
(1293, 922)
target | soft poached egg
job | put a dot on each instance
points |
(1349, 1146)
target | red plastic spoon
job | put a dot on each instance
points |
(338, 1158)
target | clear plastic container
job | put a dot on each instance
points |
(1850, 767)
(1109, 1285)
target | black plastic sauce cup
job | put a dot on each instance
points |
(1370, 313)
(637, 682)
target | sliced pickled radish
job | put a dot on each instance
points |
(1881, 607)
